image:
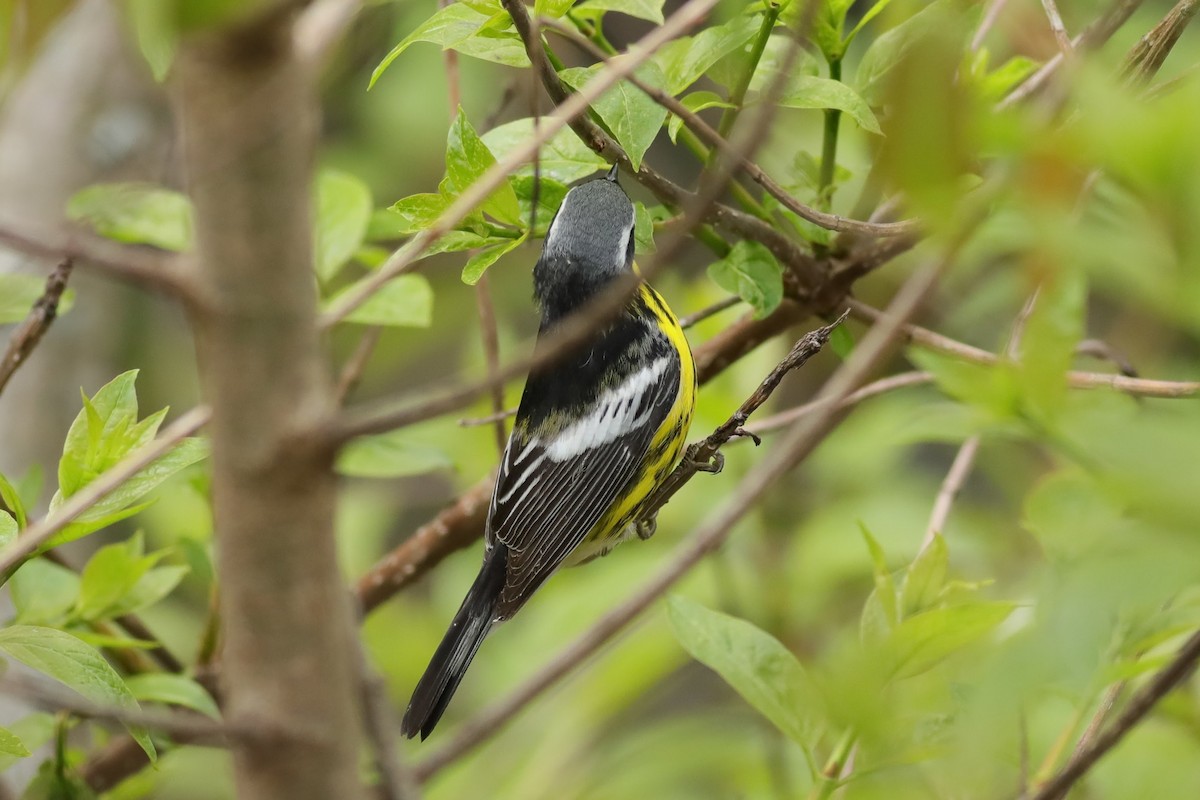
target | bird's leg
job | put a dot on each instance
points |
(754, 437)
(712, 465)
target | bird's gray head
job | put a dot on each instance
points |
(592, 235)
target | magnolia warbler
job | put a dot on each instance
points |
(594, 434)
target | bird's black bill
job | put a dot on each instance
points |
(612, 174)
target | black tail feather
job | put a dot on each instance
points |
(450, 661)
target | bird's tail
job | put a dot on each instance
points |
(450, 661)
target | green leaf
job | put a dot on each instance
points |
(74, 664)
(885, 587)
(97, 439)
(136, 213)
(643, 226)
(405, 302)
(841, 341)
(1002, 80)
(650, 10)
(871, 14)
(77, 530)
(343, 210)
(156, 34)
(467, 158)
(110, 574)
(390, 455)
(887, 50)
(565, 158)
(8, 529)
(552, 8)
(12, 501)
(18, 293)
(478, 263)
(805, 91)
(149, 589)
(462, 28)
(924, 640)
(550, 195)
(34, 731)
(750, 660)
(827, 26)
(188, 452)
(751, 272)
(11, 744)
(176, 690)
(685, 59)
(925, 578)
(989, 387)
(695, 102)
(417, 212)
(42, 592)
(632, 116)
(1051, 335)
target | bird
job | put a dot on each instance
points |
(595, 433)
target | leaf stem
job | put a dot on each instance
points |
(829, 145)
(738, 95)
(831, 774)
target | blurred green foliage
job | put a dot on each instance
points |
(823, 629)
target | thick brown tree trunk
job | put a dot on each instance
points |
(248, 118)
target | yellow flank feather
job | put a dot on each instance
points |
(665, 448)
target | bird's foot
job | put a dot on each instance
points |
(645, 528)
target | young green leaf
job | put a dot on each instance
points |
(467, 157)
(871, 14)
(685, 59)
(42, 592)
(643, 226)
(176, 690)
(632, 116)
(390, 455)
(552, 8)
(416, 212)
(11, 744)
(925, 578)
(149, 589)
(18, 293)
(156, 34)
(887, 50)
(1047, 349)
(8, 529)
(550, 194)
(136, 213)
(405, 302)
(343, 210)
(34, 731)
(751, 272)
(750, 660)
(805, 91)
(478, 263)
(565, 158)
(650, 10)
(110, 574)
(885, 587)
(924, 640)
(827, 25)
(459, 27)
(841, 341)
(97, 439)
(74, 664)
(695, 102)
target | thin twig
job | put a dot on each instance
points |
(720, 144)
(320, 26)
(994, 9)
(1147, 56)
(36, 323)
(1141, 387)
(795, 446)
(356, 365)
(1056, 26)
(1180, 668)
(1092, 37)
(395, 781)
(154, 269)
(475, 422)
(401, 261)
(951, 486)
(881, 386)
(193, 727)
(40, 532)
(705, 313)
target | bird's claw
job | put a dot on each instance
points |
(646, 527)
(713, 465)
(754, 437)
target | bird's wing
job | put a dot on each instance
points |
(552, 490)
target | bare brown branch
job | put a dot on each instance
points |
(34, 327)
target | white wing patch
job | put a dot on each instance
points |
(617, 412)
